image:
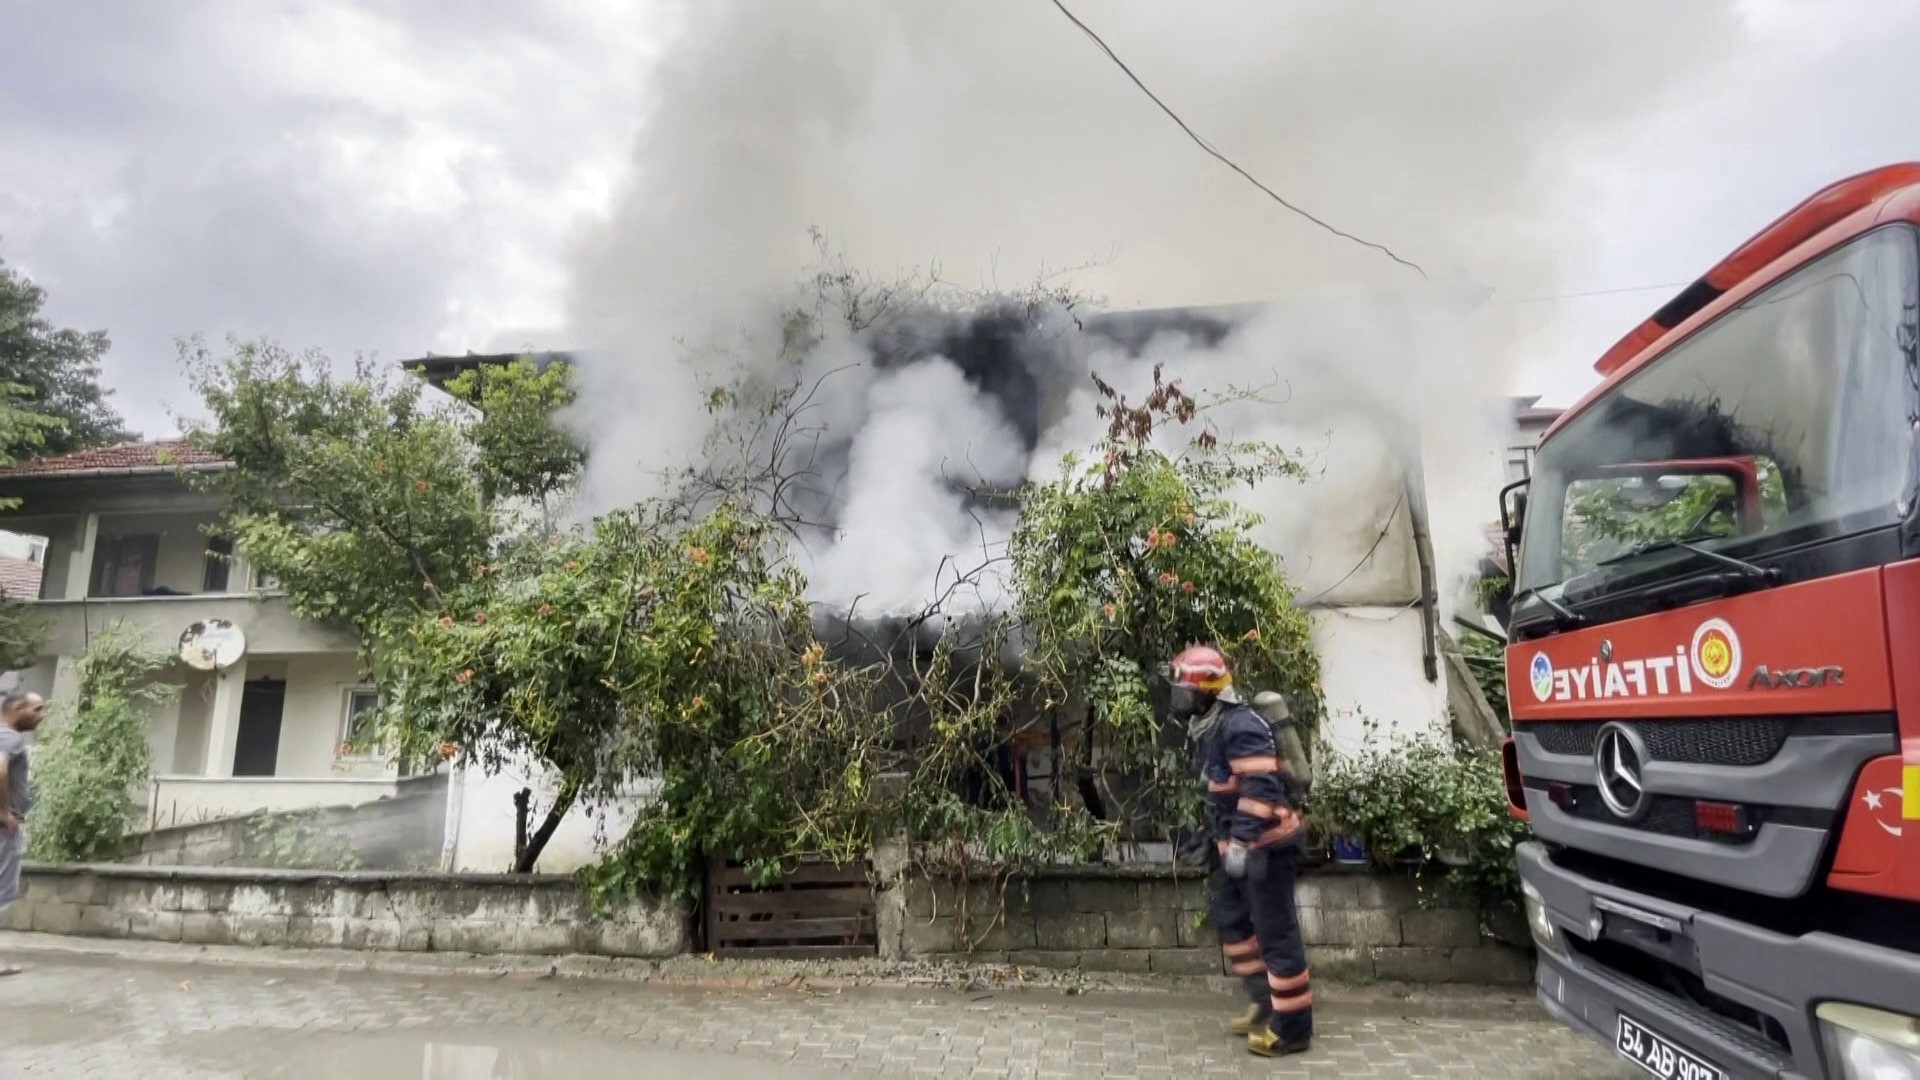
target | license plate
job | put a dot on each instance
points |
(1660, 1057)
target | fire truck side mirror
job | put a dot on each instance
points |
(1513, 512)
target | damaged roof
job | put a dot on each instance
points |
(438, 369)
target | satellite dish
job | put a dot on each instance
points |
(212, 645)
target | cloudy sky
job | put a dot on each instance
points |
(378, 177)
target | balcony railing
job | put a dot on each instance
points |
(158, 621)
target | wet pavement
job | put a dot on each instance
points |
(84, 1017)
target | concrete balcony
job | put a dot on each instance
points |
(158, 621)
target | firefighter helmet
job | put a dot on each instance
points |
(1202, 668)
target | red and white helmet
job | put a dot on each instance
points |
(1202, 668)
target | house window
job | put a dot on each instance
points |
(219, 565)
(37, 550)
(357, 725)
(264, 581)
(125, 565)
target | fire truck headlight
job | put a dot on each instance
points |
(1870, 1044)
(1544, 932)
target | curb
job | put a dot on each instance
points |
(707, 974)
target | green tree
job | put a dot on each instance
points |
(523, 453)
(370, 507)
(94, 760)
(58, 368)
(360, 499)
(1121, 562)
(22, 432)
(652, 646)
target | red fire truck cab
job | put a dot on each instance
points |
(1714, 663)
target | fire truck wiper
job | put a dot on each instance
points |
(1751, 571)
(1563, 616)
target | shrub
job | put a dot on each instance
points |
(95, 753)
(1429, 794)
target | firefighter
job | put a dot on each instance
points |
(1256, 831)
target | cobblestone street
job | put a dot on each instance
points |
(76, 1016)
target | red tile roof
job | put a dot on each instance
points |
(161, 456)
(19, 578)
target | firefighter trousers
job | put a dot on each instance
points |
(1259, 930)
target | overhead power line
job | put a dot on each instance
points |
(1224, 159)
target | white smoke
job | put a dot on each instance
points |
(993, 138)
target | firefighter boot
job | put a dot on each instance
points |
(1263, 1041)
(1254, 1019)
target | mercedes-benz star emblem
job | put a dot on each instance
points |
(1618, 757)
(1606, 652)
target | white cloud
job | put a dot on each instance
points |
(354, 176)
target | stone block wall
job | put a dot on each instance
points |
(1358, 926)
(464, 913)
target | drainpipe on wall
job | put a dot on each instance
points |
(456, 797)
(1416, 486)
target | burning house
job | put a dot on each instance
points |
(918, 429)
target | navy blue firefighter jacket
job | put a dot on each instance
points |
(1248, 791)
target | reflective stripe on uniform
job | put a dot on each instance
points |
(1288, 984)
(1254, 808)
(1261, 763)
(1238, 949)
(1293, 1004)
(1287, 825)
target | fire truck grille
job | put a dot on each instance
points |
(1746, 740)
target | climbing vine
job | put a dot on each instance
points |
(94, 759)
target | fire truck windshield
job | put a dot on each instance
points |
(1788, 420)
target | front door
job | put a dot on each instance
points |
(256, 747)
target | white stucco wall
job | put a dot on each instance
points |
(484, 835)
(310, 722)
(311, 727)
(1375, 684)
(186, 800)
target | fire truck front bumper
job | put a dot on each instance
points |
(1633, 970)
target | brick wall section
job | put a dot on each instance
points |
(1358, 926)
(404, 832)
(464, 913)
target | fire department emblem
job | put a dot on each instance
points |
(1540, 673)
(1716, 654)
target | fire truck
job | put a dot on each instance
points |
(1713, 663)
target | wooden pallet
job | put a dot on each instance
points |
(815, 910)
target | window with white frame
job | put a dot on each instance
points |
(357, 722)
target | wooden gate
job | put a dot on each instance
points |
(815, 910)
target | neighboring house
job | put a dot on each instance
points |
(126, 544)
(1530, 421)
(19, 578)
